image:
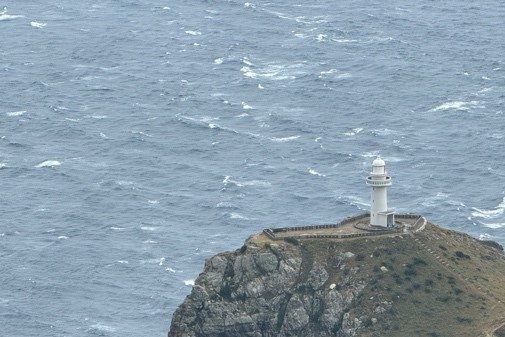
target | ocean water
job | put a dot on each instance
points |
(140, 137)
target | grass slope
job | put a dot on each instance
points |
(434, 283)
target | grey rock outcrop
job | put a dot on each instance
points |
(267, 291)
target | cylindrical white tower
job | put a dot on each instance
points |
(378, 179)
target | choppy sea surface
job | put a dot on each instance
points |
(138, 138)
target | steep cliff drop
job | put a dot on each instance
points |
(430, 282)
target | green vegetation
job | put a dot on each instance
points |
(431, 292)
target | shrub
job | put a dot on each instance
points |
(463, 319)
(417, 261)
(360, 257)
(292, 241)
(457, 291)
(461, 255)
(410, 270)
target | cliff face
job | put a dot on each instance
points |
(433, 283)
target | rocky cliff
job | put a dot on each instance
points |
(432, 283)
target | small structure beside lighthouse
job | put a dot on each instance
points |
(379, 181)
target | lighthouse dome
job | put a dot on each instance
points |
(378, 162)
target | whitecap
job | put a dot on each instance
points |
(37, 24)
(218, 61)
(3, 165)
(259, 183)
(203, 122)
(494, 225)
(48, 163)
(283, 139)
(353, 132)
(148, 228)
(193, 32)
(249, 5)
(172, 270)
(246, 106)
(490, 213)
(333, 74)
(122, 261)
(189, 282)
(103, 328)
(315, 173)
(435, 199)
(486, 236)
(158, 261)
(274, 72)
(124, 183)
(225, 204)
(344, 40)
(16, 113)
(246, 61)
(260, 86)
(153, 202)
(321, 37)
(62, 237)
(383, 132)
(455, 105)
(238, 216)
(8, 17)
(117, 228)
(354, 200)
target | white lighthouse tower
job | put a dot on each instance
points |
(379, 180)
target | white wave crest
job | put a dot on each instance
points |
(494, 225)
(353, 200)
(7, 17)
(283, 139)
(246, 106)
(333, 74)
(274, 72)
(16, 113)
(315, 173)
(455, 105)
(48, 163)
(189, 282)
(435, 199)
(148, 228)
(193, 32)
(259, 183)
(490, 213)
(38, 24)
(238, 216)
(353, 132)
(218, 61)
(103, 328)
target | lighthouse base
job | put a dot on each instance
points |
(384, 219)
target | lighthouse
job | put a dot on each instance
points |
(379, 181)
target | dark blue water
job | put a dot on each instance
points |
(138, 138)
